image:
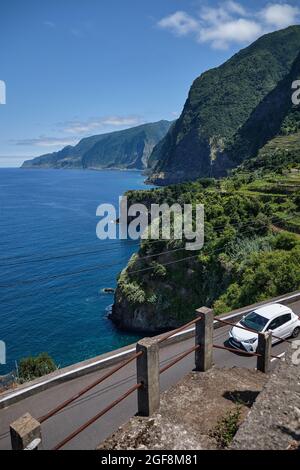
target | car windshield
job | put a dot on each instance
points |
(254, 321)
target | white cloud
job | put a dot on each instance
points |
(280, 15)
(235, 7)
(121, 121)
(180, 23)
(99, 124)
(236, 31)
(75, 130)
(230, 23)
(223, 12)
(50, 24)
(44, 141)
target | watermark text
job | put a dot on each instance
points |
(2, 92)
(160, 222)
(296, 94)
(2, 352)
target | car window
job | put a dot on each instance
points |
(279, 321)
(254, 321)
(285, 318)
(274, 324)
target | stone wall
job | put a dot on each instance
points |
(274, 420)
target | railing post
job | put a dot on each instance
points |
(204, 338)
(148, 375)
(264, 349)
(24, 431)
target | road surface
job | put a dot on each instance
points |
(77, 413)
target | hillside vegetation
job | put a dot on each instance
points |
(251, 251)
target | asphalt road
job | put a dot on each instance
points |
(59, 426)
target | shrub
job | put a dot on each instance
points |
(285, 241)
(244, 247)
(133, 292)
(159, 271)
(229, 300)
(152, 299)
(33, 367)
(264, 275)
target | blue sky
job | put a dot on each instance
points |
(75, 68)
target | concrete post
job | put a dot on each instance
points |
(148, 374)
(204, 338)
(264, 349)
(24, 431)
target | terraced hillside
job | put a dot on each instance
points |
(251, 250)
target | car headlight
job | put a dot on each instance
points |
(250, 341)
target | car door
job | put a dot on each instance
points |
(285, 327)
(274, 327)
(280, 326)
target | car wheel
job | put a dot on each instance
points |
(296, 332)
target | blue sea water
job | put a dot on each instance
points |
(53, 267)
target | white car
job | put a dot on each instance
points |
(279, 319)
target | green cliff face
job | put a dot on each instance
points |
(127, 149)
(223, 108)
(275, 115)
(251, 251)
(252, 242)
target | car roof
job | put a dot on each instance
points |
(271, 311)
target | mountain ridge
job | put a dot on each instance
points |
(219, 103)
(124, 149)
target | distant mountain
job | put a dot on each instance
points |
(126, 149)
(224, 117)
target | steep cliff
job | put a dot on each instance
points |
(217, 117)
(127, 149)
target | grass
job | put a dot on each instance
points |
(227, 427)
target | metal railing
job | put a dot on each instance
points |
(98, 416)
(178, 359)
(88, 388)
(148, 374)
(178, 330)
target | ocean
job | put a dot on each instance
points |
(53, 267)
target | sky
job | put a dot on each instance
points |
(73, 68)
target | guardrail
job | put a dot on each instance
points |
(88, 388)
(110, 359)
(27, 429)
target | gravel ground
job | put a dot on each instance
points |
(190, 410)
